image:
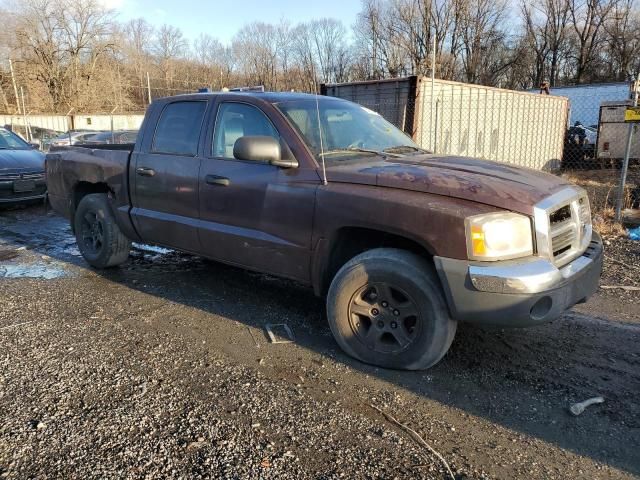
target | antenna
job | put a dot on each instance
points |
(324, 169)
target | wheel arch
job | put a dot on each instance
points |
(349, 241)
(80, 190)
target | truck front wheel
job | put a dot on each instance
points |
(386, 308)
(99, 238)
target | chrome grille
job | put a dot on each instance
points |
(561, 242)
(22, 176)
(563, 225)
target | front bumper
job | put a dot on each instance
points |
(9, 195)
(520, 292)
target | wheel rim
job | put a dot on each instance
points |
(92, 232)
(384, 318)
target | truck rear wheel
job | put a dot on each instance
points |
(99, 238)
(386, 308)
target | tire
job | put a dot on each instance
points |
(386, 307)
(99, 238)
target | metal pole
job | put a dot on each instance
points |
(625, 164)
(15, 88)
(433, 82)
(24, 116)
(149, 88)
(113, 140)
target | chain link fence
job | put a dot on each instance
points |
(595, 146)
(579, 137)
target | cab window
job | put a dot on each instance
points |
(236, 120)
(178, 129)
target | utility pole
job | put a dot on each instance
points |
(149, 88)
(15, 88)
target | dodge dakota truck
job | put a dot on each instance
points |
(402, 243)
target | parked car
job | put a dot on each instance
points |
(403, 244)
(580, 147)
(42, 137)
(118, 137)
(22, 176)
(73, 137)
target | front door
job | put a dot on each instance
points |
(165, 204)
(254, 214)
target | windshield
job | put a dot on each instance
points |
(10, 141)
(348, 130)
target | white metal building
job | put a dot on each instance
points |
(585, 100)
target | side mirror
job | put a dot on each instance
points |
(261, 149)
(35, 146)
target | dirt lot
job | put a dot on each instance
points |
(161, 368)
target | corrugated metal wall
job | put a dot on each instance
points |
(393, 99)
(103, 122)
(59, 123)
(62, 123)
(503, 125)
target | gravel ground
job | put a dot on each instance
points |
(161, 369)
(622, 263)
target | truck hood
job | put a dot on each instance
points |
(496, 184)
(21, 161)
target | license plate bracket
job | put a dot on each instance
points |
(21, 186)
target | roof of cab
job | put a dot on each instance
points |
(271, 97)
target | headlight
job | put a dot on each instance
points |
(498, 236)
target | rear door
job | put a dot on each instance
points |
(166, 170)
(252, 213)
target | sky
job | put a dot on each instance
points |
(223, 18)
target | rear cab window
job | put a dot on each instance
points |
(178, 128)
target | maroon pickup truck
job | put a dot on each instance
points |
(403, 243)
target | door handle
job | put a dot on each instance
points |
(217, 180)
(145, 172)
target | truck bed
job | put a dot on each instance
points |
(69, 168)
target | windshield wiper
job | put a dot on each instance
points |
(404, 147)
(360, 150)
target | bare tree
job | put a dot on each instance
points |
(137, 54)
(588, 19)
(256, 48)
(623, 41)
(61, 44)
(546, 23)
(303, 55)
(169, 47)
(215, 59)
(482, 40)
(331, 50)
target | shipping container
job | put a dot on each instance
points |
(613, 132)
(392, 98)
(455, 118)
